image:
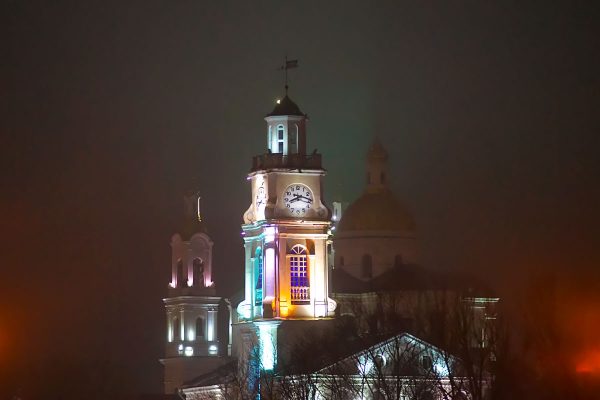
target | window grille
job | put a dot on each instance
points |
(300, 286)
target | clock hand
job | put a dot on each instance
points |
(304, 198)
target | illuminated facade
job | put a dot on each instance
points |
(291, 267)
(402, 367)
(285, 234)
(192, 345)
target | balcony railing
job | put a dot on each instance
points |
(278, 160)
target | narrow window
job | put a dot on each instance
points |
(199, 327)
(367, 266)
(198, 269)
(258, 273)
(181, 280)
(280, 138)
(176, 329)
(299, 279)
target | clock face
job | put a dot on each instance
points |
(261, 197)
(298, 199)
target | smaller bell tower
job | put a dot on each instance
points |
(377, 159)
(192, 346)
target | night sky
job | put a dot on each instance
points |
(111, 111)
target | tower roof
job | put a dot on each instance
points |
(190, 227)
(377, 151)
(286, 107)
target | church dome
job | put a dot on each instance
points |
(376, 211)
(376, 233)
(286, 106)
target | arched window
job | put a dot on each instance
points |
(299, 279)
(198, 270)
(367, 266)
(176, 329)
(258, 273)
(181, 279)
(199, 327)
(280, 138)
(398, 262)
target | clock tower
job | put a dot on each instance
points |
(285, 233)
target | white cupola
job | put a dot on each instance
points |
(286, 126)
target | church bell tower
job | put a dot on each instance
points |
(192, 345)
(285, 234)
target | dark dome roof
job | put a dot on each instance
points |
(376, 211)
(286, 107)
(190, 227)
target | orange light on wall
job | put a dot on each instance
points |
(285, 311)
(589, 363)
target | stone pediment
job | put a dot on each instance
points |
(400, 355)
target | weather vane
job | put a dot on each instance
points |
(289, 64)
